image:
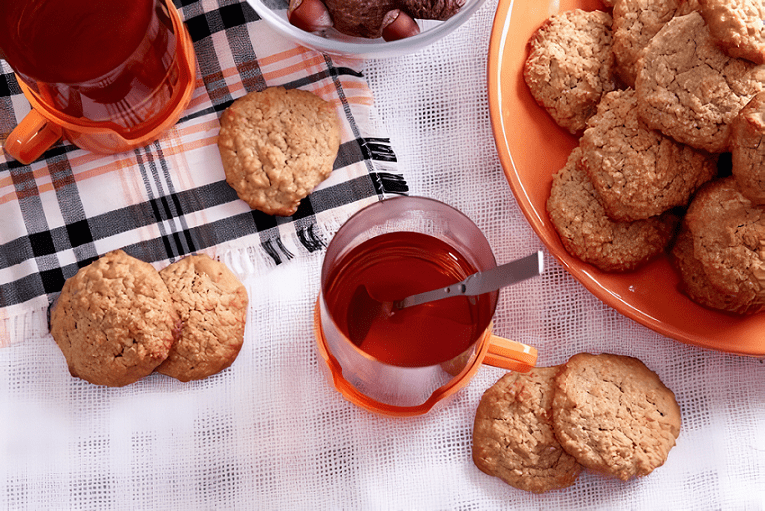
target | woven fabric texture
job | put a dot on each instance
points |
(270, 432)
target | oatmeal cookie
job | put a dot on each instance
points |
(614, 415)
(728, 234)
(687, 7)
(747, 147)
(569, 65)
(689, 88)
(212, 304)
(114, 320)
(737, 26)
(638, 172)
(589, 234)
(277, 145)
(513, 437)
(635, 24)
(693, 280)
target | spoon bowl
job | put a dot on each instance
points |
(365, 309)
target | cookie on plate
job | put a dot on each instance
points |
(635, 24)
(212, 304)
(728, 233)
(693, 279)
(114, 320)
(737, 26)
(588, 233)
(687, 7)
(747, 147)
(277, 145)
(569, 65)
(513, 438)
(614, 415)
(689, 88)
(638, 172)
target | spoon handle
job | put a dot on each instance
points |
(483, 281)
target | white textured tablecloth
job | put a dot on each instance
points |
(270, 433)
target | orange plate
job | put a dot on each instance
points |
(532, 148)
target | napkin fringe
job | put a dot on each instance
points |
(253, 261)
(16, 328)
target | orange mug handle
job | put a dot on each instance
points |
(32, 137)
(510, 355)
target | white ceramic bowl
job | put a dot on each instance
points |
(274, 12)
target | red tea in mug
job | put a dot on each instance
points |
(398, 264)
(104, 61)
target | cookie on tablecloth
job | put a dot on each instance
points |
(638, 172)
(277, 145)
(212, 304)
(588, 233)
(513, 438)
(747, 147)
(635, 24)
(728, 233)
(569, 65)
(737, 26)
(689, 88)
(614, 415)
(114, 320)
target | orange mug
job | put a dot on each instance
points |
(108, 76)
(406, 362)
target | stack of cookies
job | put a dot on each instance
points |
(657, 91)
(119, 319)
(538, 431)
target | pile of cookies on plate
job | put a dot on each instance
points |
(538, 431)
(118, 319)
(667, 98)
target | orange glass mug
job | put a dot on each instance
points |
(108, 76)
(405, 363)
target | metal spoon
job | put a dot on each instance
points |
(364, 308)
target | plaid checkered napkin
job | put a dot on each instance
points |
(170, 198)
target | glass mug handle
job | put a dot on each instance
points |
(32, 137)
(510, 355)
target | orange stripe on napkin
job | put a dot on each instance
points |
(288, 54)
